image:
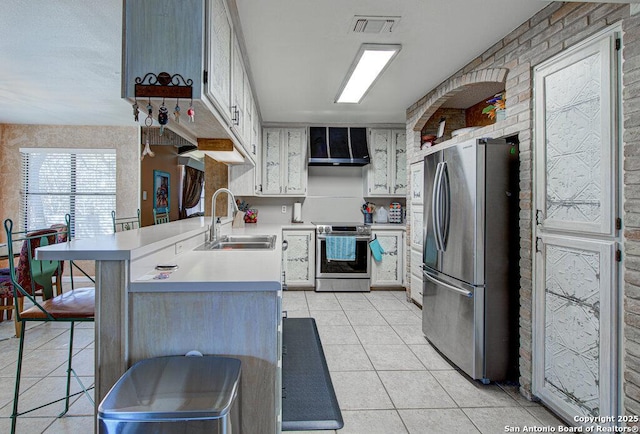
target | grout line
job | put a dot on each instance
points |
(396, 409)
(471, 420)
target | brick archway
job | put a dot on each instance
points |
(455, 85)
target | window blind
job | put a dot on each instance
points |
(80, 182)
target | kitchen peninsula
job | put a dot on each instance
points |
(223, 302)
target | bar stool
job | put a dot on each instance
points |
(160, 217)
(77, 305)
(125, 223)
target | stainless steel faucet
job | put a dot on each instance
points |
(212, 229)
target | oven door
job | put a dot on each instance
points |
(360, 268)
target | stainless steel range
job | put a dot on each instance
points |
(353, 274)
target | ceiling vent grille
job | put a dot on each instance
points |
(373, 25)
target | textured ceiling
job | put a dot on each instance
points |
(61, 60)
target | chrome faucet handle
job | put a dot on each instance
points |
(214, 222)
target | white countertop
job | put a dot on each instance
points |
(125, 245)
(198, 270)
(221, 270)
(374, 226)
(299, 226)
(202, 270)
(388, 226)
(217, 270)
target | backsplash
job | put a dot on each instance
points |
(334, 194)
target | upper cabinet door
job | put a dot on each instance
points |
(417, 183)
(284, 162)
(400, 163)
(256, 133)
(576, 141)
(387, 173)
(149, 49)
(379, 175)
(237, 94)
(296, 162)
(248, 114)
(271, 161)
(219, 64)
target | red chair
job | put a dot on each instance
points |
(6, 295)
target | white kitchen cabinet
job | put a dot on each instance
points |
(390, 270)
(256, 147)
(248, 114)
(416, 229)
(399, 156)
(386, 175)
(299, 258)
(256, 133)
(242, 179)
(416, 205)
(177, 29)
(228, 81)
(417, 183)
(220, 37)
(284, 165)
(195, 40)
(237, 91)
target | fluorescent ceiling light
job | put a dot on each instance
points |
(229, 157)
(370, 62)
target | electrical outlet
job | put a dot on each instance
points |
(179, 248)
(284, 209)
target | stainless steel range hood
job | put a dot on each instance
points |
(338, 146)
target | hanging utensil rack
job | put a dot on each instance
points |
(163, 85)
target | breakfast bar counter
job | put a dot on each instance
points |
(159, 293)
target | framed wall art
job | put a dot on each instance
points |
(161, 190)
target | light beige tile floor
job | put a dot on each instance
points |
(390, 380)
(43, 377)
(387, 377)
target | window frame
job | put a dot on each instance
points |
(74, 181)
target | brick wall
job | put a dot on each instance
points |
(631, 167)
(511, 61)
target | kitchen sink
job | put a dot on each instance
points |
(243, 242)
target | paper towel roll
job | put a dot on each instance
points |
(297, 212)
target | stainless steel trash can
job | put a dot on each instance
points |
(174, 394)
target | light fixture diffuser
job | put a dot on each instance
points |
(370, 62)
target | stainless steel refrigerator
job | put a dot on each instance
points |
(470, 258)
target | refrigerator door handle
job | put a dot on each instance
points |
(436, 201)
(460, 291)
(446, 215)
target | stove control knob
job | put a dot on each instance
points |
(320, 229)
(360, 229)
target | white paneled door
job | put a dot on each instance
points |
(576, 233)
